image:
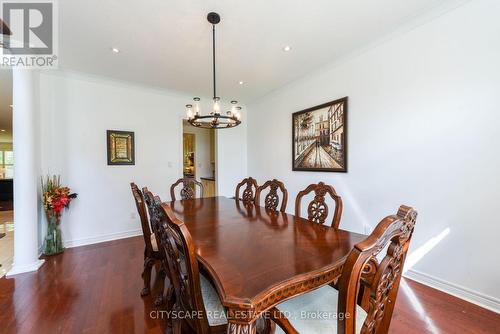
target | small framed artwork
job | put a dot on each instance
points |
(319, 136)
(121, 147)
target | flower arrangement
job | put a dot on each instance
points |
(55, 199)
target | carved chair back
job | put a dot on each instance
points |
(271, 201)
(149, 200)
(179, 249)
(248, 195)
(141, 210)
(188, 190)
(381, 279)
(317, 210)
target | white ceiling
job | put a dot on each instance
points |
(167, 43)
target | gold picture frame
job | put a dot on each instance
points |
(121, 147)
(319, 138)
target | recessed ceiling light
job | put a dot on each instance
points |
(115, 50)
(2, 130)
(241, 82)
(287, 48)
(11, 106)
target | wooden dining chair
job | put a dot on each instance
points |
(248, 195)
(194, 294)
(188, 190)
(163, 271)
(317, 210)
(380, 281)
(151, 253)
(271, 201)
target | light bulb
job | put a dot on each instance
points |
(237, 113)
(233, 107)
(197, 105)
(189, 111)
(216, 105)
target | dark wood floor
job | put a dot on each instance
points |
(6, 205)
(95, 289)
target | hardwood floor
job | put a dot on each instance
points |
(95, 289)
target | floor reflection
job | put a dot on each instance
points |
(417, 306)
(96, 289)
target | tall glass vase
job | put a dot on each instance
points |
(53, 240)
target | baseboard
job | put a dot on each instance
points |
(15, 270)
(101, 238)
(490, 303)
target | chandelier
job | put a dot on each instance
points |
(217, 119)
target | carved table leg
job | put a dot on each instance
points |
(241, 328)
(241, 321)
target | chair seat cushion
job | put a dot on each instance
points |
(316, 312)
(216, 313)
(153, 242)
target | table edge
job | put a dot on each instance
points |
(278, 292)
(281, 291)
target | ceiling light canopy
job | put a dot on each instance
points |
(216, 119)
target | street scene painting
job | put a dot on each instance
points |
(320, 138)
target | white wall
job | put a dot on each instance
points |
(202, 150)
(423, 131)
(76, 110)
(231, 157)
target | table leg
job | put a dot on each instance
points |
(241, 321)
(241, 328)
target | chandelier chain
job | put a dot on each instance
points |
(213, 58)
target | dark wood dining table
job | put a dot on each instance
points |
(258, 258)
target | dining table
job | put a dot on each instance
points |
(258, 258)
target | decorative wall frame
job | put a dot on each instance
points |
(319, 138)
(121, 147)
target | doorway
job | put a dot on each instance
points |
(199, 152)
(6, 174)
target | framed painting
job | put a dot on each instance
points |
(319, 138)
(121, 147)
